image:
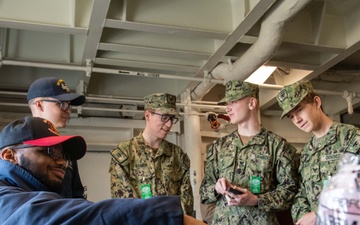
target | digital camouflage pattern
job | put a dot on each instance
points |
(162, 102)
(236, 90)
(266, 155)
(291, 95)
(319, 162)
(133, 163)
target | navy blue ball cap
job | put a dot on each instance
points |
(55, 88)
(36, 131)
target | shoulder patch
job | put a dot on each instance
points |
(121, 154)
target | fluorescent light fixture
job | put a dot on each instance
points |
(261, 74)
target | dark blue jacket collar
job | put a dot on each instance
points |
(14, 175)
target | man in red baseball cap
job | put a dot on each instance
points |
(32, 165)
(34, 138)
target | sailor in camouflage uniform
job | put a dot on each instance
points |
(320, 156)
(148, 165)
(255, 161)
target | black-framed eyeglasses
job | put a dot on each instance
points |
(64, 106)
(55, 152)
(167, 117)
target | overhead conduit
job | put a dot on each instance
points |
(270, 36)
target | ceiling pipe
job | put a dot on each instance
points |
(107, 109)
(89, 69)
(349, 96)
(270, 37)
(92, 98)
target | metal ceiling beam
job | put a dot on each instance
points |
(334, 60)
(254, 15)
(153, 51)
(43, 27)
(147, 65)
(154, 28)
(98, 16)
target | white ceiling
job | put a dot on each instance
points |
(116, 52)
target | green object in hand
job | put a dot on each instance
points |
(255, 184)
(145, 191)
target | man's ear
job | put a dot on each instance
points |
(318, 102)
(252, 103)
(147, 114)
(9, 155)
(39, 105)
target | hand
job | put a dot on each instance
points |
(221, 185)
(245, 199)
(307, 219)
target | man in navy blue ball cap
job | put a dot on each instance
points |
(50, 98)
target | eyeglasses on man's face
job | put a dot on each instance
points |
(55, 152)
(63, 105)
(167, 117)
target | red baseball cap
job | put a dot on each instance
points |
(35, 131)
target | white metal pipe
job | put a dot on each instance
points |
(114, 100)
(194, 104)
(12, 93)
(120, 100)
(205, 102)
(192, 146)
(198, 106)
(128, 110)
(151, 75)
(270, 36)
(105, 70)
(13, 104)
(111, 110)
(95, 109)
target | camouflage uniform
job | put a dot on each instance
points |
(318, 161)
(266, 155)
(167, 171)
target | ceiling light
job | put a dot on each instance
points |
(261, 74)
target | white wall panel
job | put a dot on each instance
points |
(94, 173)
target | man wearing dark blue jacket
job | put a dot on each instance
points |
(33, 161)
